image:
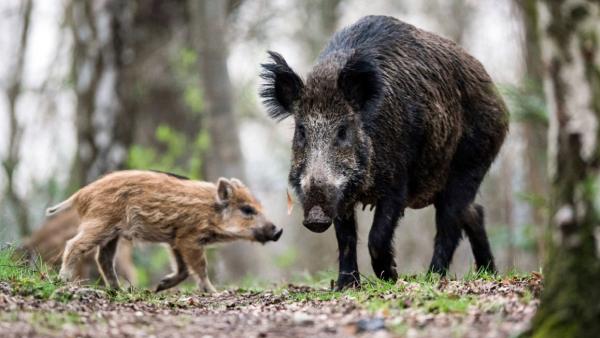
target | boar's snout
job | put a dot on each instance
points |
(267, 233)
(316, 220)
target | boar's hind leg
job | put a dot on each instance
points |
(475, 230)
(387, 212)
(345, 232)
(456, 211)
(181, 272)
(105, 258)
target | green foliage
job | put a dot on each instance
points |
(286, 259)
(187, 74)
(193, 98)
(181, 155)
(151, 262)
(524, 237)
(526, 103)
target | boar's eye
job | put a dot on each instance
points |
(342, 135)
(248, 210)
(300, 134)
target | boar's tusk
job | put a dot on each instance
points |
(290, 203)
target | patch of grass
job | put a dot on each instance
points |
(313, 295)
(41, 282)
(445, 303)
(412, 291)
(38, 281)
(54, 321)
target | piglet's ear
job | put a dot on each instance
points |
(237, 183)
(224, 190)
(282, 87)
(360, 82)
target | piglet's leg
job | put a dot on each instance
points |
(106, 263)
(195, 258)
(181, 272)
(91, 234)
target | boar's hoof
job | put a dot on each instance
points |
(317, 221)
(347, 281)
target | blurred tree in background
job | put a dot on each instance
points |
(131, 74)
(570, 304)
(13, 91)
(100, 56)
(209, 20)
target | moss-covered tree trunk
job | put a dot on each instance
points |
(570, 305)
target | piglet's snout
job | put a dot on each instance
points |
(269, 232)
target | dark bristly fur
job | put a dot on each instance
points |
(395, 117)
(181, 177)
(279, 77)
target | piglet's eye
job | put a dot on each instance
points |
(248, 210)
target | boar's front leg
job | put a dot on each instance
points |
(345, 231)
(387, 212)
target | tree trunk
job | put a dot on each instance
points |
(534, 129)
(11, 161)
(319, 21)
(100, 31)
(224, 156)
(570, 301)
(158, 39)
(461, 12)
(208, 21)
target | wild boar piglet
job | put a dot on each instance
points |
(165, 208)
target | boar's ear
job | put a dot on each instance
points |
(281, 88)
(360, 82)
(224, 190)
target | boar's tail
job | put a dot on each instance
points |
(64, 205)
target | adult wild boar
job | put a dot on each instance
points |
(394, 117)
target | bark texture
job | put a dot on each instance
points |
(100, 52)
(570, 304)
(208, 22)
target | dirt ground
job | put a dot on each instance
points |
(461, 309)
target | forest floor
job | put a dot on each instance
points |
(34, 304)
